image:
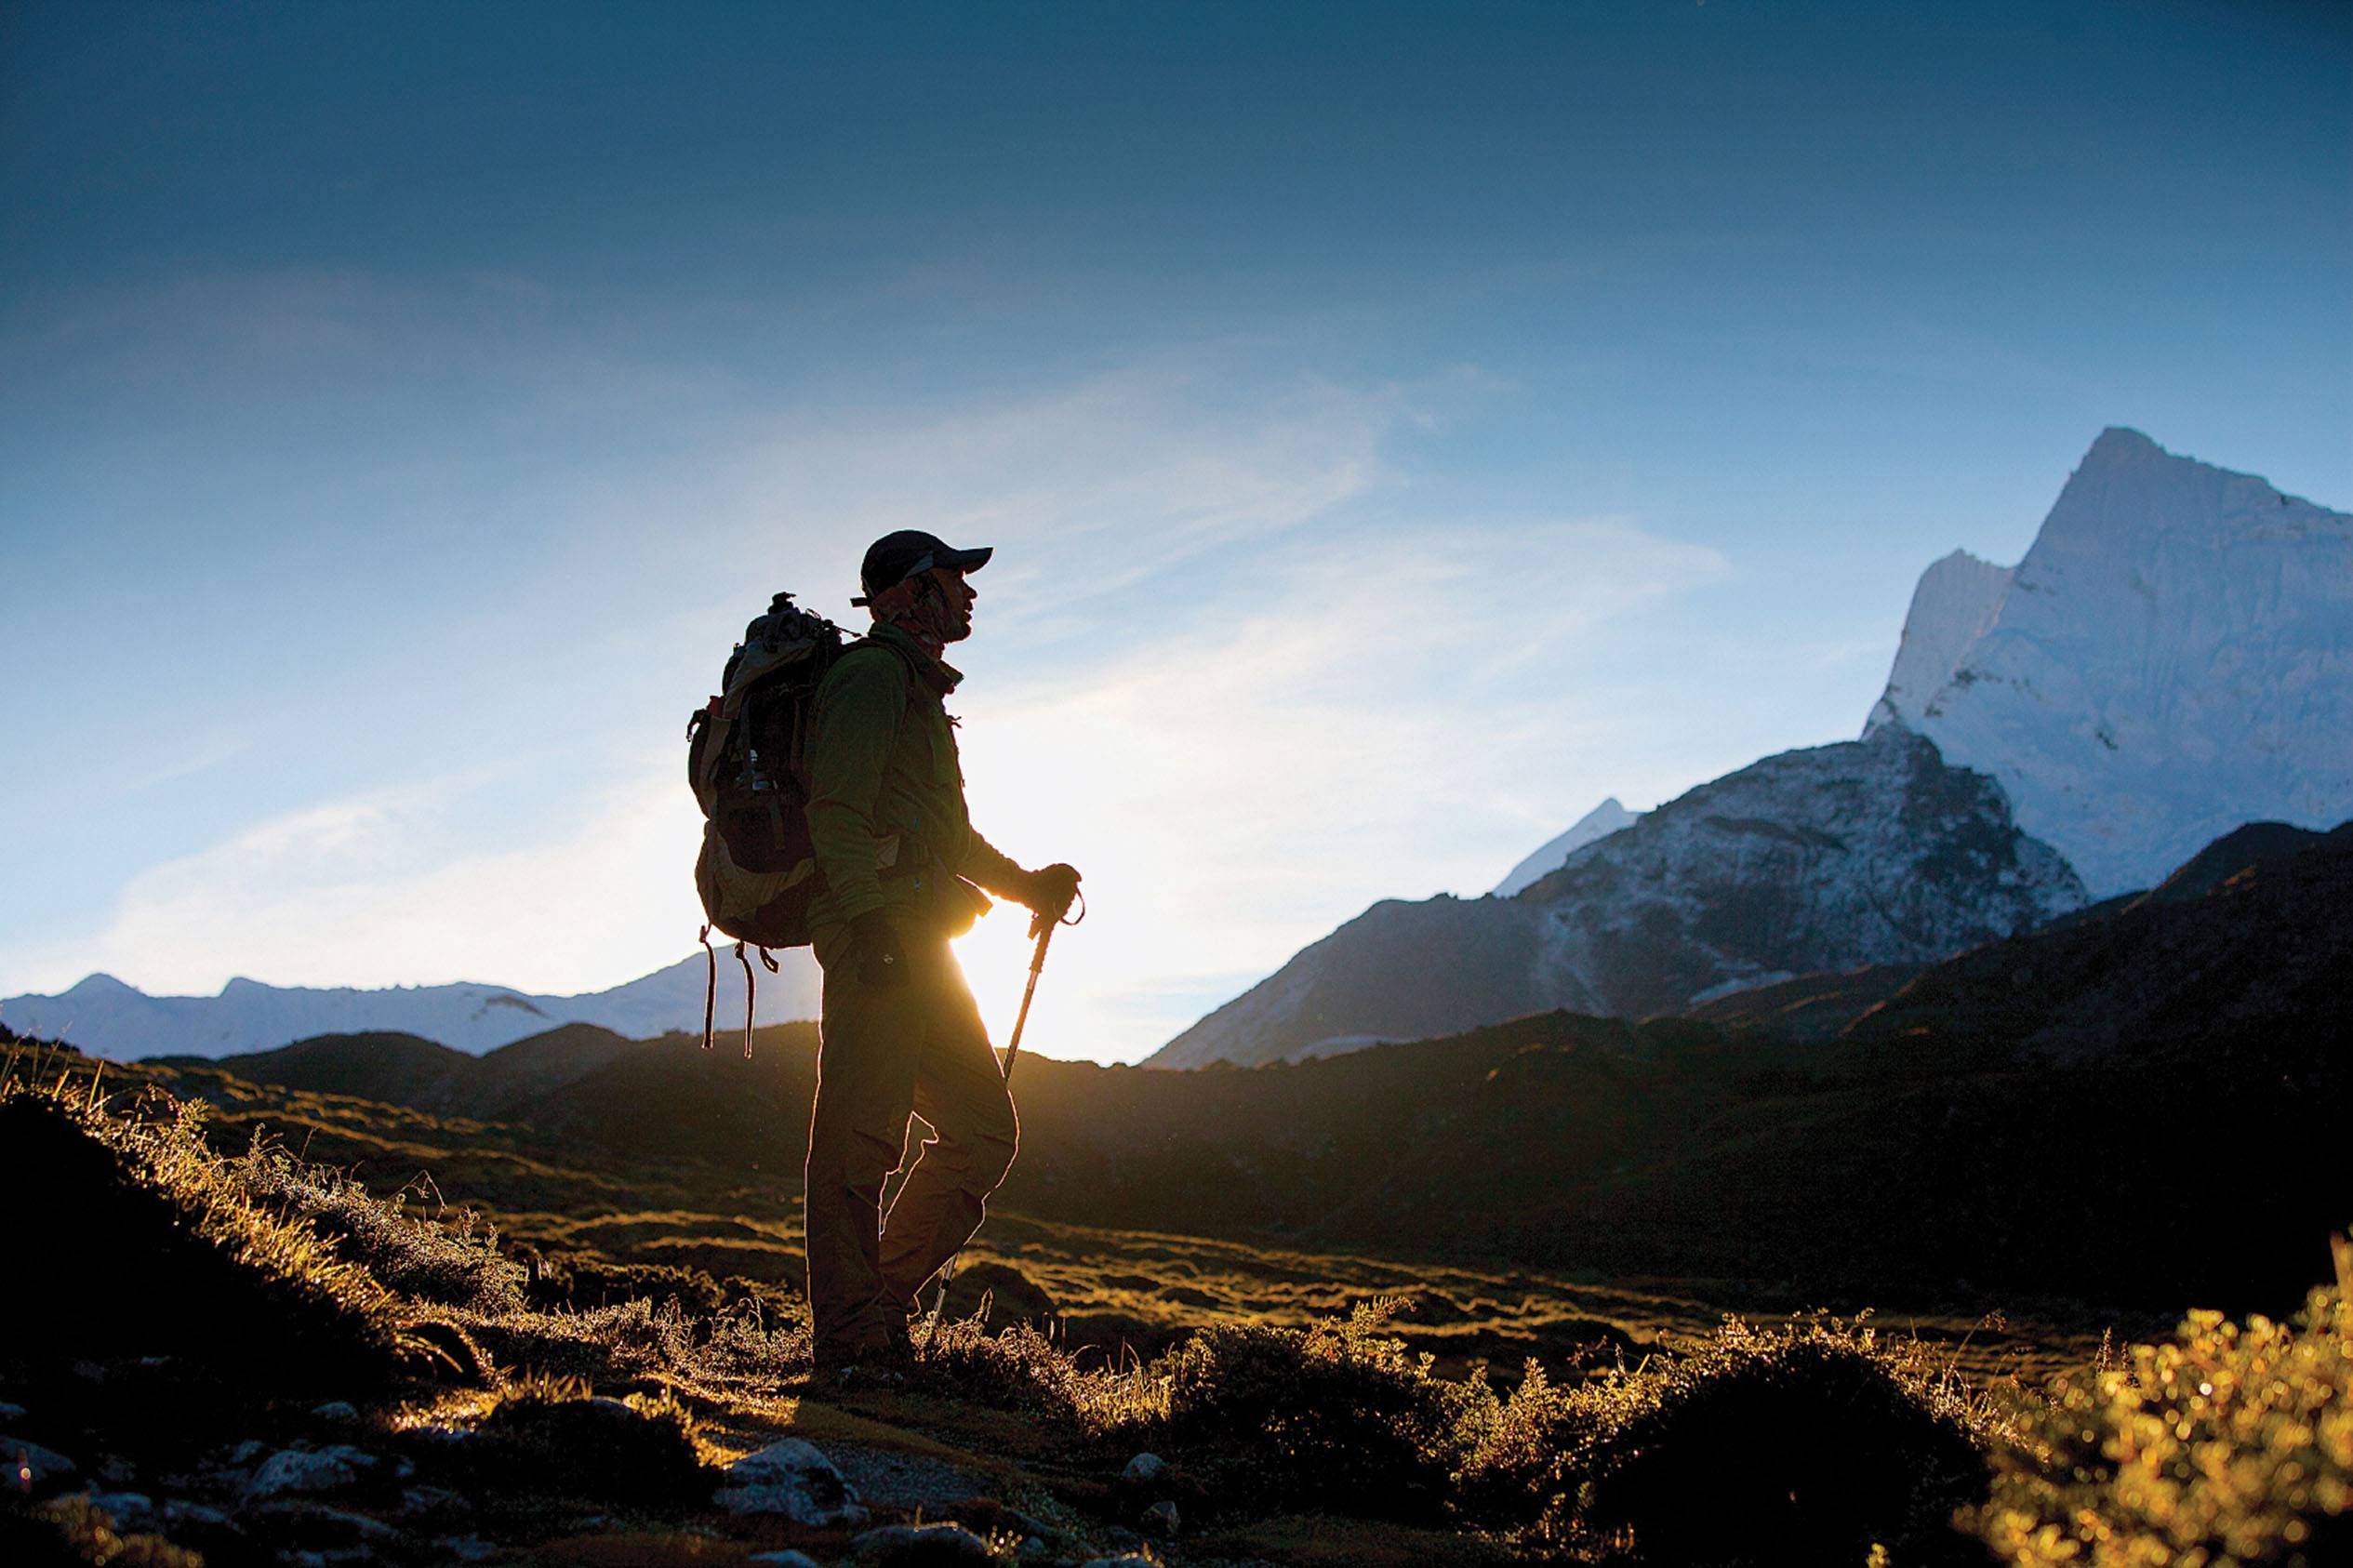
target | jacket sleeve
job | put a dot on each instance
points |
(859, 707)
(991, 868)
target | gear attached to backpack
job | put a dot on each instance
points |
(747, 760)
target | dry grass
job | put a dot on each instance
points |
(634, 1322)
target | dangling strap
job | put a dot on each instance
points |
(709, 984)
(750, 988)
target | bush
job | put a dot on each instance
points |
(2229, 1443)
(1022, 1369)
(1338, 1416)
(1523, 1468)
(1804, 1444)
(554, 1437)
(69, 1533)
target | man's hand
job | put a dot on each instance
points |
(876, 957)
(1049, 895)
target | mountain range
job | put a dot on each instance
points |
(2173, 656)
(103, 1015)
(2028, 1116)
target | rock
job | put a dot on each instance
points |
(787, 1557)
(1033, 1546)
(248, 1451)
(11, 1413)
(432, 1502)
(1125, 1560)
(179, 1510)
(305, 1525)
(128, 1509)
(473, 1549)
(1143, 1469)
(922, 1545)
(794, 1479)
(33, 1467)
(291, 1471)
(1161, 1518)
(342, 1411)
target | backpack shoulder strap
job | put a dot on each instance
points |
(916, 685)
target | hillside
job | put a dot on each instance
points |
(346, 1379)
(1890, 1153)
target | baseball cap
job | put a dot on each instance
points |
(894, 558)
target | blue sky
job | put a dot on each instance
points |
(1401, 427)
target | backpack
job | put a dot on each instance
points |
(747, 761)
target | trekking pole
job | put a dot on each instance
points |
(1013, 1049)
(1037, 965)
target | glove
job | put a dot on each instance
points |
(1049, 894)
(875, 955)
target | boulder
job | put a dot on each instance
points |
(130, 1510)
(793, 1479)
(292, 1472)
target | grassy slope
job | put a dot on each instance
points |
(1302, 1434)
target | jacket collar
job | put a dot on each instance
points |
(941, 676)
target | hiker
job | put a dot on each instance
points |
(900, 1031)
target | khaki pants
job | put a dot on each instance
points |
(919, 1046)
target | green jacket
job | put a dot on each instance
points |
(886, 792)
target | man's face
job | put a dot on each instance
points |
(957, 597)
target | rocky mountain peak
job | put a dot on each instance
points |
(2170, 658)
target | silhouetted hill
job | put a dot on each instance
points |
(2257, 962)
(399, 1067)
(672, 1098)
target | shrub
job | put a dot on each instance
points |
(1338, 1415)
(554, 1436)
(1808, 1443)
(1023, 1369)
(69, 1533)
(1522, 1464)
(2230, 1443)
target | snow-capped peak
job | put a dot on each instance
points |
(1956, 602)
(2174, 657)
(1598, 823)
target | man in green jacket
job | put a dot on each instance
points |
(900, 1031)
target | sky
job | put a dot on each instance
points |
(1399, 426)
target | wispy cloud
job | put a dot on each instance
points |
(1222, 665)
(414, 884)
(1338, 731)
